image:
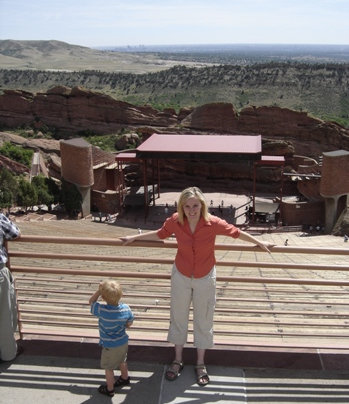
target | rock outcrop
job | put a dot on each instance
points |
(45, 145)
(72, 112)
(309, 136)
(13, 166)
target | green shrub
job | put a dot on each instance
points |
(17, 153)
(27, 195)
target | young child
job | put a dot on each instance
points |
(113, 319)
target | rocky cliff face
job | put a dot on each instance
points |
(71, 112)
(75, 111)
(309, 136)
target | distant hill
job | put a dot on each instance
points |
(22, 49)
(163, 80)
(57, 55)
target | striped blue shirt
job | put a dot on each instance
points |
(112, 322)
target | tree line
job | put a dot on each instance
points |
(179, 76)
(320, 89)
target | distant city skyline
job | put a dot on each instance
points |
(158, 22)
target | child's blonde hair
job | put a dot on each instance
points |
(111, 292)
(192, 192)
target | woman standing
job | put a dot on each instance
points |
(194, 274)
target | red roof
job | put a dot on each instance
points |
(200, 146)
(125, 156)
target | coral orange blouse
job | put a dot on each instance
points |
(195, 255)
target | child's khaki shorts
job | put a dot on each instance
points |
(112, 357)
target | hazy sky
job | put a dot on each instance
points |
(167, 22)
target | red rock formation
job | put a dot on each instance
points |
(76, 110)
(72, 111)
(217, 117)
(45, 145)
(13, 166)
(309, 136)
(15, 108)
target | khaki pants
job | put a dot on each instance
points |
(202, 293)
(8, 316)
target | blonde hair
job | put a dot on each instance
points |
(192, 192)
(111, 292)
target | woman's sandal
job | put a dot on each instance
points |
(119, 382)
(201, 375)
(174, 370)
(103, 389)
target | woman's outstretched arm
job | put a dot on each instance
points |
(149, 236)
(264, 245)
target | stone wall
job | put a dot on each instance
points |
(77, 164)
(335, 173)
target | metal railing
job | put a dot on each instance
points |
(263, 300)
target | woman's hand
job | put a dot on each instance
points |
(265, 245)
(127, 239)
